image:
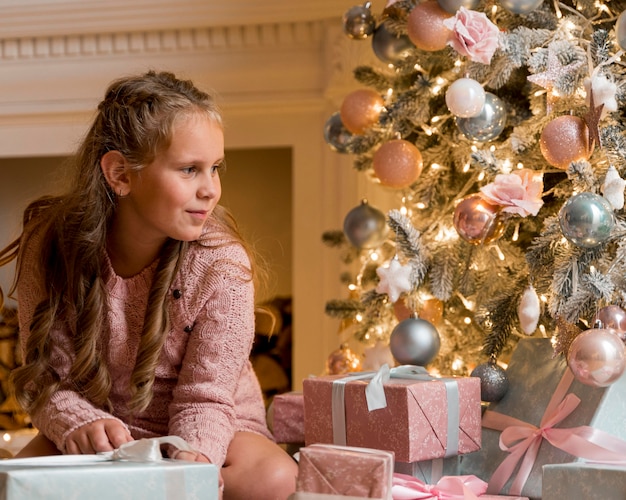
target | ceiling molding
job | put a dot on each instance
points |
(30, 18)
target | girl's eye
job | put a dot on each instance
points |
(216, 168)
(188, 170)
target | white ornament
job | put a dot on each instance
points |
(613, 188)
(394, 279)
(604, 92)
(376, 356)
(465, 98)
(529, 310)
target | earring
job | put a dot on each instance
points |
(121, 194)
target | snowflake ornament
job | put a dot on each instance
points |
(395, 279)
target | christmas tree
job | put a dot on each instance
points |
(500, 125)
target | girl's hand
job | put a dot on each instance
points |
(101, 435)
(191, 456)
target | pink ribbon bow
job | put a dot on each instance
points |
(407, 487)
(522, 440)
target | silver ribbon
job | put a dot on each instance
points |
(375, 396)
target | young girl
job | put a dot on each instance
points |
(136, 298)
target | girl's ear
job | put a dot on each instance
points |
(114, 167)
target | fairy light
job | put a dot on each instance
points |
(435, 166)
(404, 210)
(499, 252)
(435, 119)
(389, 92)
(474, 148)
(421, 205)
(467, 320)
(358, 317)
(466, 168)
(374, 256)
(492, 148)
(543, 298)
(458, 63)
(417, 67)
(515, 236)
(457, 364)
(352, 287)
(494, 9)
(520, 165)
(506, 166)
(542, 329)
(481, 176)
(6, 437)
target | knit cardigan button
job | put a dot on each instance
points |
(188, 328)
(177, 294)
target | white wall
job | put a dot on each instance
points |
(280, 69)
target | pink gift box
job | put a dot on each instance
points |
(344, 470)
(414, 424)
(286, 417)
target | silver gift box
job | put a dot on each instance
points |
(583, 480)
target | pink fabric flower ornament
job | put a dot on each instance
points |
(473, 35)
(518, 192)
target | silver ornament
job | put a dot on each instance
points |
(336, 135)
(358, 22)
(414, 341)
(620, 30)
(493, 381)
(586, 219)
(521, 6)
(452, 6)
(364, 226)
(488, 124)
(390, 48)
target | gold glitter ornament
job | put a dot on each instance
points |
(361, 109)
(397, 164)
(564, 140)
(425, 26)
(343, 360)
(477, 221)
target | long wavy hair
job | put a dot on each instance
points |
(136, 118)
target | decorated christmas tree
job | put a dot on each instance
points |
(501, 127)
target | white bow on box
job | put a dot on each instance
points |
(140, 450)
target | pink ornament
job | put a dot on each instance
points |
(612, 318)
(596, 357)
(397, 164)
(360, 110)
(425, 26)
(518, 192)
(564, 140)
(477, 221)
(473, 35)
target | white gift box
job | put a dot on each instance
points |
(107, 477)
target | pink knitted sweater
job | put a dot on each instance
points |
(205, 388)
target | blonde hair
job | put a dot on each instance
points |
(136, 118)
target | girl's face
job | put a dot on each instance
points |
(173, 196)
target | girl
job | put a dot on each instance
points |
(136, 297)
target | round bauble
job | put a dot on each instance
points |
(397, 163)
(521, 6)
(478, 221)
(361, 109)
(452, 6)
(358, 22)
(465, 98)
(493, 381)
(364, 226)
(620, 30)
(336, 135)
(586, 219)
(564, 140)
(596, 357)
(488, 123)
(343, 360)
(425, 26)
(389, 47)
(612, 318)
(414, 341)
(401, 311)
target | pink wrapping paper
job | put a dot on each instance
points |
(342, 470)
(288, 418)
(413, 425)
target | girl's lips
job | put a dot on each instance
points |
(198, 214)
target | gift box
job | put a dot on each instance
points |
(109, 476)
(584, 480)
(541, 387)
(424, 417)
(344, 470)
(429, 471)
(285, 417)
